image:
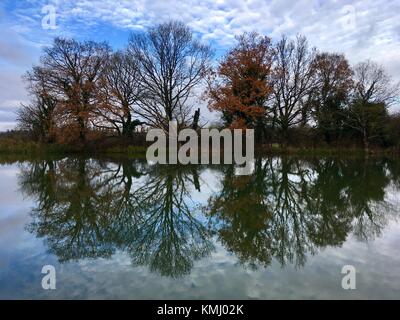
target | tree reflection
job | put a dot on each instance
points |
(287, 209)
(169, 238)
(72, 209)
(89, 209)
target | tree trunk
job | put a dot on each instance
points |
(127, 126)
(285, 136)
(196, 117)
(82, 136)
(365, 141)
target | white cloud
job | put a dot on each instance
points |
(361, 29)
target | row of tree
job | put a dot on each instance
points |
(80, 89)
(276, 87)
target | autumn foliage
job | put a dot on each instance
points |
(240, 87)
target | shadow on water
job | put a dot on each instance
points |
(287, 209)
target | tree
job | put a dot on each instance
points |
(333, 85)
(373, 93)
(393, 129)
(171, 65)
(367, 119)
(70, 71)
(294, 81)
(241, 86)
(38, 118)
(120, 93)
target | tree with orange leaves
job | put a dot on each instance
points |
(70, 72)
(240, 87)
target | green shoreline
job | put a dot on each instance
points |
(32, 149)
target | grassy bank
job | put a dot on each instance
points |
(29, 148)
(276, 149)
(11, 146)
(124, 151)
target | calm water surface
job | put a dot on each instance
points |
(125, 229)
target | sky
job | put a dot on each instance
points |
(367, 29)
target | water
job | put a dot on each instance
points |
(119, 228)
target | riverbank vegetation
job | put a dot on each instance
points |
(87, 97)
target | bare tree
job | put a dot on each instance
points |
(373, 84)
(120, 93)
(171, 63)
(71, 71)
(293, 83)
(374, 91)
(37, 118)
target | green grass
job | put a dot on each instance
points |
(128, 150)
(21, 147)
(12, 146)
(276, 149)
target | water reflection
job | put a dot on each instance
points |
(285, 210)
(291, 207)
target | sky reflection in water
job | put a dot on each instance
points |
(123, 229)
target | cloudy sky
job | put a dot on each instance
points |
(360, 29)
